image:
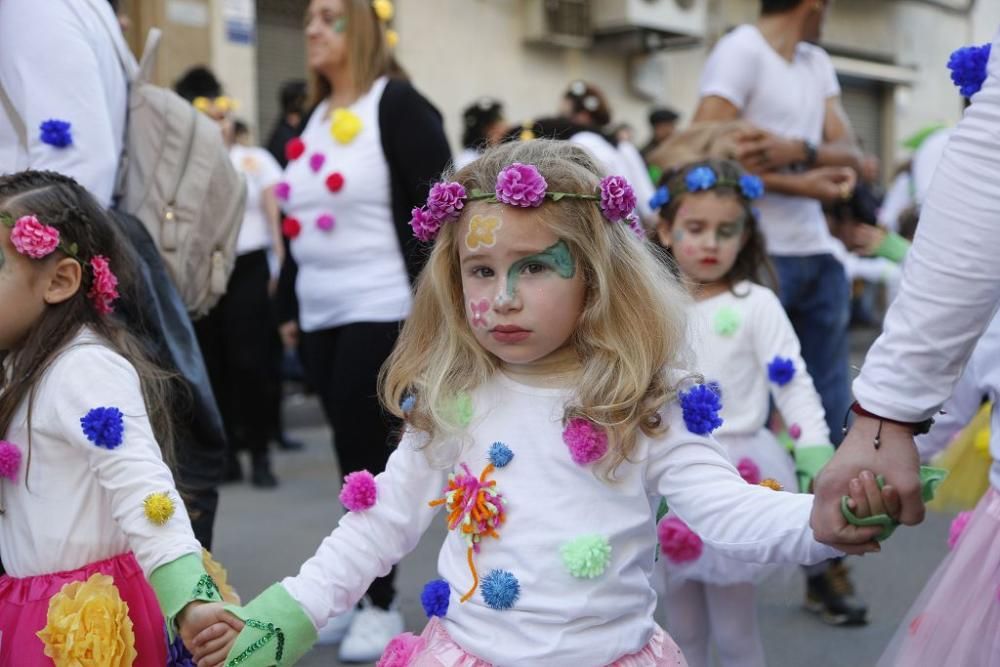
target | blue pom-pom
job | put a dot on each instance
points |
(781, 371)
(715, 386)
(56, 133)
(751, 186)
(660, 198)
(968, 68)
(104, 427)
(700, 178)
(701, 406)
(408, 402)
(435, 597)
(500, 454)
(500, 589)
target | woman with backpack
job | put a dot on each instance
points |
(365, 158)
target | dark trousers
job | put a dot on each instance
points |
(342, 366)
(236, 340)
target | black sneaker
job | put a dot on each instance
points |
(261, 475)
(831, 595)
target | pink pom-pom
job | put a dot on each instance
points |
(325, 222)
(400, 650)
(678, 543)
(958, 527)
(586, 441)
(282, 190)
(10, 459)
(795, 431)
(359, 492)
(749, 470)
(316, 161)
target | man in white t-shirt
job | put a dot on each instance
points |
(773, 75)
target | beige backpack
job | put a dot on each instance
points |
(175, 176)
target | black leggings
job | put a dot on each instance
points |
(342, 365)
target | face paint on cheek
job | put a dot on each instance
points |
(556, 257)
(340, 25)
(480, 310)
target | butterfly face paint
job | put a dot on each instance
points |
(556, 258)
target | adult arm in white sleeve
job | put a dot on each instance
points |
(950, 287)
(745, 521)
(957, 411)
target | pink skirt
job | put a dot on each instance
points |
(24, 606)
(435, 648)
(956, 619)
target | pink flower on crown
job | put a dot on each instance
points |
(425, 225)
(445, 200)
(617, 198)
(104, 291)
(33, 238)
(521, 185)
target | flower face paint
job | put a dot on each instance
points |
(482, 232)
(706, 236)
(529, 279)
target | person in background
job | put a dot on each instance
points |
(662, 125)
(484, 126)
(292, 98)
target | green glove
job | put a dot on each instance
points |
(277, 631)
(809, 460)
(930, 478)
(179, 582)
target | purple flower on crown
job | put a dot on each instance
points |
(751, 186)
(700, 178)
(521, 185)
(968, 68)
(617, 198)
(446, 200)
(424, 224)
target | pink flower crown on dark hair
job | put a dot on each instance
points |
(33, 238)
(524, 186)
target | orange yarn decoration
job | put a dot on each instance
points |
(772, 484)
(476, 509)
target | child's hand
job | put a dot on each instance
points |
(206, 628)
(866, 499)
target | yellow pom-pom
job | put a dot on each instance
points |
(344, 125)
(219, 576)
(391, 38)
(201, 103)
(383, 10)
(772, 484)
(158, 507)
(88, 624)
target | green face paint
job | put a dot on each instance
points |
(340, 25)
(2, 258)
(556, 258)
(727, 231)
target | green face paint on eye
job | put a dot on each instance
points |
(340, 25)
(556, 257)
(729, 231)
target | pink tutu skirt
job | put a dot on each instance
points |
(956, 619)
(24, 606)
(435, 648)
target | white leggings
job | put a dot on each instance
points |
(699, 612)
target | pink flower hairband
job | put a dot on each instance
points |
(524, 186)
(33, 238)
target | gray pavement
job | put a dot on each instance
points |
(262, 536)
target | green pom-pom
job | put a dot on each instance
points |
(587, 556)
(460, 410)
(727, 320)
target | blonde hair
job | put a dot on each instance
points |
(631, 329)
(367, 52)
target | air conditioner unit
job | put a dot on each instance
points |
(564, 23)
(668, 19)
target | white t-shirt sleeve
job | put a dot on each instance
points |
(731, 70)
(797, 400)
(367, 543)
(950, 289)
(831, 84)
(50, 71)
(270, 171)
(129, 469)
(745, 521)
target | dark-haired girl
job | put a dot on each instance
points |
(746, 347)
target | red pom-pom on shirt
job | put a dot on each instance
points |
(291, 227)
(294, 148)
(335, 181)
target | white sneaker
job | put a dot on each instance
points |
(371, 631)
(335, 629)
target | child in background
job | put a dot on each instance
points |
(542, 379)
(101, 561)
(746, 347)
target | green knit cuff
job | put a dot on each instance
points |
(277, 631)
(179, 582)
(893, 247)
(809, 460)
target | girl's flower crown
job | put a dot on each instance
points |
(524, 186)
(705, 178)
(968, 68)
(33, 238)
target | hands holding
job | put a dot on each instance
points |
(209, 632)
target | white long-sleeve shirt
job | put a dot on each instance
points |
(951, 283)
(557, 619)
(738, 357)
(980, 380)
(78, 503)
(57, 61)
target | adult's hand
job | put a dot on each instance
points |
(289, 332)
(896, 460)
(762, 151)
(829, 184)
